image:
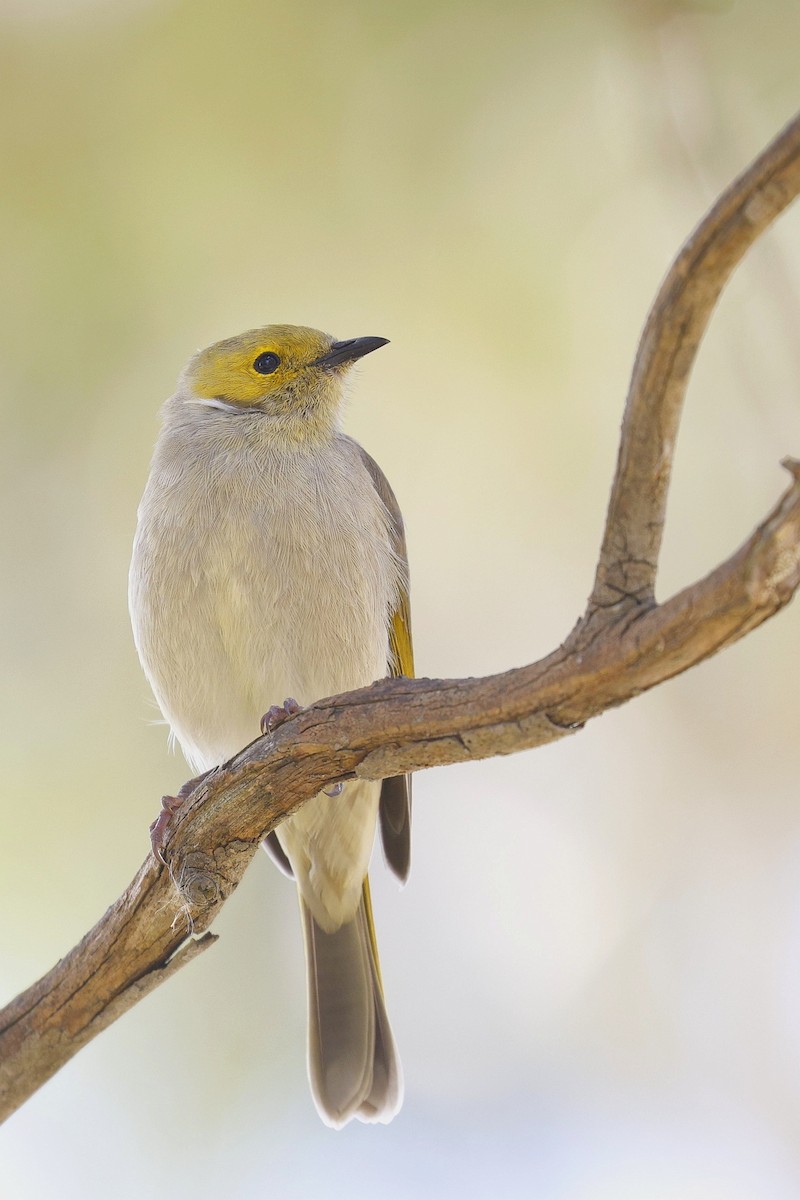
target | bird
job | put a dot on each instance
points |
(270, 561)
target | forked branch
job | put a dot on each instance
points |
(624, 644)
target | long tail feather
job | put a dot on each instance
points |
(352, 1061)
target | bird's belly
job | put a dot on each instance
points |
(298, 631)
(319, 628)
(256, 607)
(284, 593)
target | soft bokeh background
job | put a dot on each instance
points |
(594, 973)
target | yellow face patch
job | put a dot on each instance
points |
(255, 365)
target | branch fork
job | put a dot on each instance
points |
(624, 644)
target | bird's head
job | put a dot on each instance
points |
(286, 372)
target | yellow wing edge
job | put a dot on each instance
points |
(401, 650)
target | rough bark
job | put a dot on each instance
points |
(622, 645)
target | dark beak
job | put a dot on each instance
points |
(345, 352)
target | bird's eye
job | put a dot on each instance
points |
(266, 363)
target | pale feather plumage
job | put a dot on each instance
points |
(266, 565)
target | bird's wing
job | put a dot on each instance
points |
(395, 807)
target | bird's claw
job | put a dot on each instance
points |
(159, 827)
(279, 713)
(169, 806)
(334, 790)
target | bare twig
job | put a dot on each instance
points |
(624, 644)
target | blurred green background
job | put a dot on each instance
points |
(594, 973)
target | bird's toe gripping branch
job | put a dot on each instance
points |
(278, 713)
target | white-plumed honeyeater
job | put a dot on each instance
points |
(270, 562)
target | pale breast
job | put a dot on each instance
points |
(257, 576)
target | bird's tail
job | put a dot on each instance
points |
(352, 1061)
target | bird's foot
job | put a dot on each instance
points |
(169, 806)
(334, 790)
(279, 713)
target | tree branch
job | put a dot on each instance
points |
(667, 350)
(624, 644)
